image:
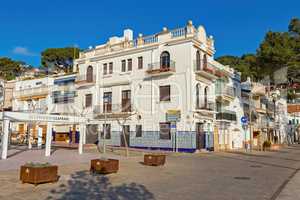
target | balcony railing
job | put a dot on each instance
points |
(31, 92)
(207, 69)
(209, 106)
(84, 79)
(225, 91)
(113, 109)
(226, 115)
(158, 68)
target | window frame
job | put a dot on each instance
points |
(138, 131)
(140, 62)
(167, 134)
(91, 100)
(129, 64)
(105, 69)
(164, 98)
(123, 65)
(110, 67)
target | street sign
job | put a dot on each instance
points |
(173, 125)
(173, 115)
(244, 120)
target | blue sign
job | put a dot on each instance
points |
(173, 125)
(244, 120)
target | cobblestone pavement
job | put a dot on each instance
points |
(205, 176)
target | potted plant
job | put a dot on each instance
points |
(36, 173)
(267, 145)
(104, 166)
(154, 159)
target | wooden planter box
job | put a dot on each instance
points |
(104, 166)
(36, 175)
(154, 159)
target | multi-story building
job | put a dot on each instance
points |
(49, 95)
(142, 86)
(229, 110)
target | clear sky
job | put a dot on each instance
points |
(238, 26)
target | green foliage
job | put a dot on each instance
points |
(276, 51)
(9, 68)
(56, 59)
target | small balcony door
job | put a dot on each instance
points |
(107, 102)
(126, 101)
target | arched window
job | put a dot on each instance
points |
(205, 97)
(198, 95)
(89, 74)
(198, 60)
(165, 59)
(205, 61)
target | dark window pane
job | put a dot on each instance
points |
(88, 100)
(138, 131)
(105, 69)
(165, 131)
(164, 93)
(140, 62)
(123, 66)
(111, 68)
(129, 64)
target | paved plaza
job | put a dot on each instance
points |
(228, 176)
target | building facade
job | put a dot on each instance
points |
(133, 86)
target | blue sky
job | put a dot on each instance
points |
(28, 27)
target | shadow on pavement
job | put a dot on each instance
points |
(83, 185)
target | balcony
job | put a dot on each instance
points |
(206, 107)
(113, 111)
(225, 93)
(226, 116)
(157, 69)
(258, 89)
(32, 93)
(84, 80)
(208, 70)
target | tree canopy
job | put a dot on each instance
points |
(276, 51)
(9, 68)
(57, 59)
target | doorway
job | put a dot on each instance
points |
(200, 136)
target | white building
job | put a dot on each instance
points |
(145, 79)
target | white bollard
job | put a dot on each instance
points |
(48, 139)
(5, 139)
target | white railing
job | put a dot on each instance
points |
(178, 32)
(32, 92)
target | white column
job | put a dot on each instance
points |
(40, 137)
(81, 137)
(5, 139)
(48, 139)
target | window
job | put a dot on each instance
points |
(140, 62)
(126, 101)
(129, 64)
(165, 93)
(105, 69)
(198, 95)
(123, 66)
(108, 103)
(205, 61)
(205, 96)
(138, 131)
(110, 67)
(88, 100)
(89, 74)
(198, 60)
(164, 131)
(107, 130)
(165, 59)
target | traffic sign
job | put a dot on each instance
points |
(244, 120)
